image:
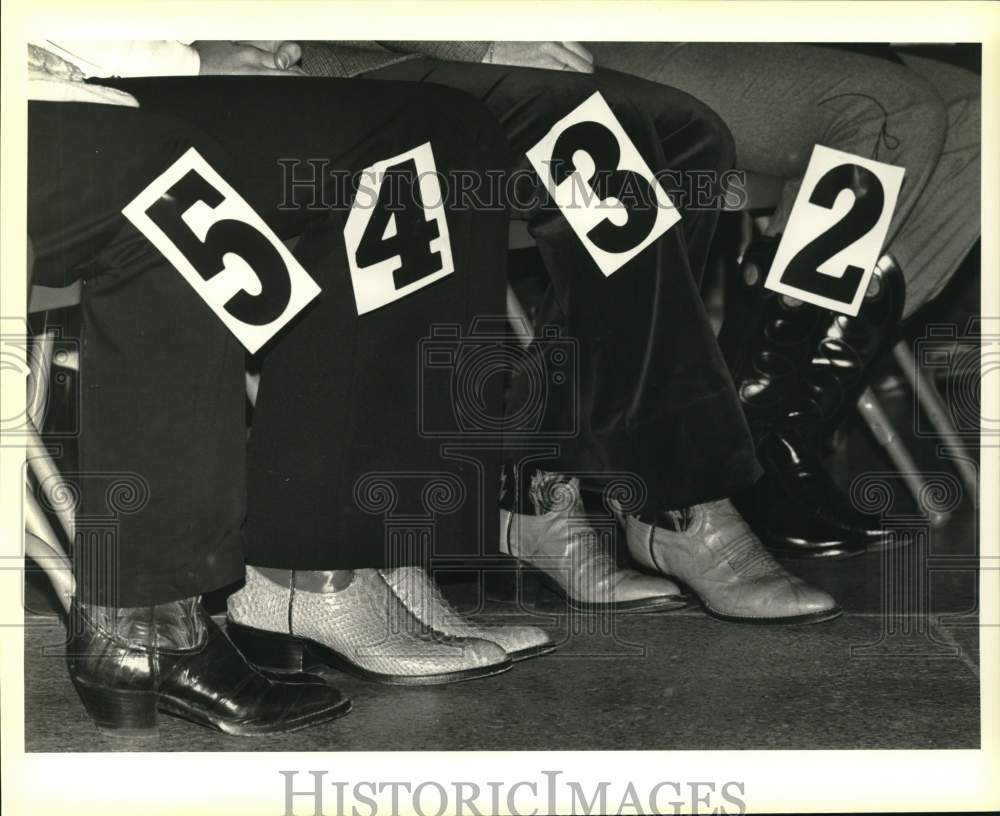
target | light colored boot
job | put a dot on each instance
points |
(361, 628)
(717, 554)
(419, 594)
(560, 544)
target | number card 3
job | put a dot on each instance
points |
(836, 230)
(222, 248)
(396, 234)
(605, 190)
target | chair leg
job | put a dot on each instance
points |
(41, 544)
(51, 483)
(874, 415)
(939, 416)
(39, 369)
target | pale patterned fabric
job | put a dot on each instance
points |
(126, 58)
(52, 79)
(350, 58)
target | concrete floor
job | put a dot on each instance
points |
(898, 670)
(700, 685)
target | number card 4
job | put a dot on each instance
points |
(836, 230)
(605, 190)
(396, 234)
(223, 249)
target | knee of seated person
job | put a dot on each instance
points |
(926, 113)
(456, 116)
(173, 138)
(719, 145)
(903, 103)
(964, 117)
(705, 129)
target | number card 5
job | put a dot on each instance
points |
(605, 190)
(223, 249)
(836, 230)
(396, 234)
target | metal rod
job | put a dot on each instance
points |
(940, 417)
(872, 413)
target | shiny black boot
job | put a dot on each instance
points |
(799, 369)
(129, 664)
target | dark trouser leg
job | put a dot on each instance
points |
(162, 403)
(654, 395)
(340, 396)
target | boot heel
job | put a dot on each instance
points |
(269, 650)
(501, 586)
(119, 712)
(532, 585)
(522, 585)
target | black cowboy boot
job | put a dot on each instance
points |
(128, 664)
(799, 369)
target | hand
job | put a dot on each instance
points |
(555, 56)
(286, 54)
(223, 57)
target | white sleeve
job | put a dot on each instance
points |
(127, 58)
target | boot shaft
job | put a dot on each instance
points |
(798, 368)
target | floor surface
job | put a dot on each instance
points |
(898, 670)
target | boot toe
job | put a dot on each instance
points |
(482, 653)
(421, 663)
(288, 706)
(520, 642)
(810, 600)
(796, 601)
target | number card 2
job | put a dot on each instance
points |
(594, 173)
(396, 234)
(836, 230)
(223, 249)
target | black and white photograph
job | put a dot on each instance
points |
(461, 421)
